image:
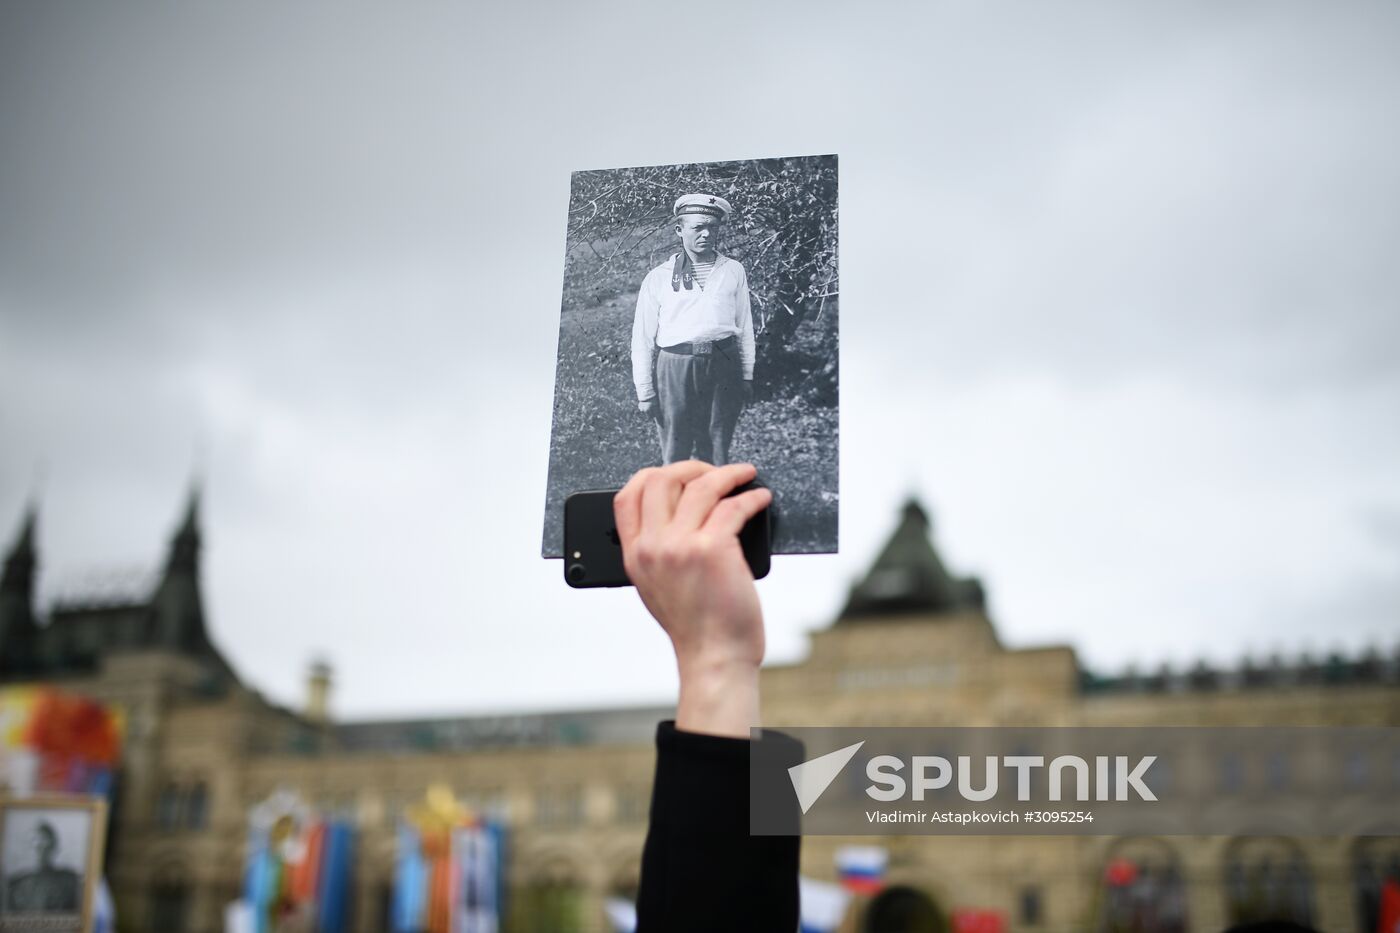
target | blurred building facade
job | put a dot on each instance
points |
(912, 646)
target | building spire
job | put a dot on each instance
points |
(17, 628)
(184, 546)
(20, 561)
(176, 607)
(178, 610)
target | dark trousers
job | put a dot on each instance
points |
(699, 400)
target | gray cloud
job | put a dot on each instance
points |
(1118, 290)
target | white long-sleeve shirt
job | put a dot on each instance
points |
(666, 317)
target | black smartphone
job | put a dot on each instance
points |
(593, 551)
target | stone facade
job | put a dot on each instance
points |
(913, 646)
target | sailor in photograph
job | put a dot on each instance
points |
(693, 339)
(48, 887)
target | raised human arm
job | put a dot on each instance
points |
(701, 869)
(680, 546)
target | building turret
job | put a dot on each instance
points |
(318, 692)
(176, 608)
(18, 631)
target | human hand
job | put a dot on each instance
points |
(748, 391)
(647, 406)
(680, 546)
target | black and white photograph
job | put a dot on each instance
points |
(700, 320)
(50, 855)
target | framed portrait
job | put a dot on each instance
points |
(700, 320)
(50, 862)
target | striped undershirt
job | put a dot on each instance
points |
(702, 271)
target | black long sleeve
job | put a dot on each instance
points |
(701, 870)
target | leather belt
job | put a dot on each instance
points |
(700, 347)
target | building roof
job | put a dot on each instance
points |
(910, 578)
(618, 726)
(77, 635)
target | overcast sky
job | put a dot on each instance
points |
(1119, 295)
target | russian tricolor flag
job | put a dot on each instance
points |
(862, 868)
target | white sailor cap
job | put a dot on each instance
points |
(712, 205)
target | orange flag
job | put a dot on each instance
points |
(307, 874)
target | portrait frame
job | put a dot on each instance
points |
(725, 349)
(70, 819)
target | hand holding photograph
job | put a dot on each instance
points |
(700, 320)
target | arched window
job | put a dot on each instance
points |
(169, 907)
(170, 899)
(1375, 864)
(1030, 908)
(197, 807)
(1267, 879)
(168, 807)
(1143, 890)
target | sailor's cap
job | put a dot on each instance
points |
(708, 204)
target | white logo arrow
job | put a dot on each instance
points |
(811, 778)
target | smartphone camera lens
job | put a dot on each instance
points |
(577, 573)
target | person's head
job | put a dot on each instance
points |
(700, 221)
(45, 844)
(699, 234)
